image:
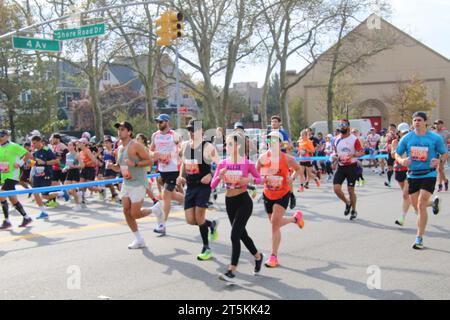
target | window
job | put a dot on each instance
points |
(48, 75)
(106, 76)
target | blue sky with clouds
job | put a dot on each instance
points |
(426, 20)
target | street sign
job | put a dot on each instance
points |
(36, 44)
(88, 31)
(182, 109)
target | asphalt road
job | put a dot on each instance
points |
(84, 255)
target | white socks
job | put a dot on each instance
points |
(138, 236)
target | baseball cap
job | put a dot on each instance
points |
(4, 132)
(439, 121)
(403, 127)
(194, 124)
(275, 134)
(83, 141)
(124, 124)
(86, 135)
(163, 117)
(372, 129)
(420, 114)
(238, 125)
(107, 138)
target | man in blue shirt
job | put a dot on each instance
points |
(424, 150)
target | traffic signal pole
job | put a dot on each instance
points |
(177, 87)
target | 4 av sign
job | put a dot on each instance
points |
(36, 44)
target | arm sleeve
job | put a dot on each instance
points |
(255, 174)
(215, 180)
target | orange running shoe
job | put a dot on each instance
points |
(272, 262)
(300, 222)
(317, 182)
(301, 189)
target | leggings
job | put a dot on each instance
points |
(239, 210)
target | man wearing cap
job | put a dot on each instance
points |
(424, 150)
(445, 134)
(165, 148)
(12, 157)
(346, 150)
(132, 162)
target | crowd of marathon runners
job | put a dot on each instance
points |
(194, 163)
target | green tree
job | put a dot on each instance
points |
(273, 98)
(298, 122)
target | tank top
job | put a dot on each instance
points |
(276, 185)
(71, 161)
(109, 156)
(86, 159)
(138, 174)
(194, 163)
(166, 147)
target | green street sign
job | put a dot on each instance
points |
(36, 44)
(92, 30)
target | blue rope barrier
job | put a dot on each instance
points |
(66, 187)
(367, 157)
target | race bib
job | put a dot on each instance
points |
(191, 166)
(344, 158)
(164, 158)
(4, 167)
(419, 154)
(274, 183)
(40, 172)
(232, 179)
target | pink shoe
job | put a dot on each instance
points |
(300, 222)
(272, 262)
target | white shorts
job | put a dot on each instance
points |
(136, 194)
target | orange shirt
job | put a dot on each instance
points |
(276, 184)
(86, 159)
(305, 148)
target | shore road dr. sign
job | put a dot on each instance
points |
(36, 44)
(92, 30)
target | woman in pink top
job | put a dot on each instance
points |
(235, 171)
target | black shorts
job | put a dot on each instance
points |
(197, 196)
(401, 176)
(427, 184)
(9, 185)
(25, 175)
(88, 174)
(101, 171)
(58, 175)
(40, 182)
(169, 180)
(307, 164)
(346, 172)
(390, 160)
(284, 202)
(109, 173)
(73, 175)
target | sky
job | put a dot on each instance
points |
(426, 20)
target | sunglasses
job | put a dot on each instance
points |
(343, 125)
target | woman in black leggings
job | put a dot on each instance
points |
(235, 171)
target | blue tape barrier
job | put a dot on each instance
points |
(367, 157)
(66, 187)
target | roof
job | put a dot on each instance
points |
(123, 74)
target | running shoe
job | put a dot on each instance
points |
(258, 264)
(272, 262)
(358, 184)
(440, 188)
(330, 177)
(299, 219)
(214, 234)
(307, 185)
(43, 215)
(66, 196)
(418, 244)
(353, 215)
(136, 244)
(293, 201)
(254, 193)
(347, 209)
(387, 184)
(6, 225)
(301, 188)
(161, 229)
(51, 203)
(363, 183)
(78, 208)
(446, 185)
(400, 221)
(102, 194)
(25, 222)
(205, 255)
(229, 276)
(436, 205)
(317, 182)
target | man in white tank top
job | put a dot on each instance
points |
(166, 148)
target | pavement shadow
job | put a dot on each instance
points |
(353, 286)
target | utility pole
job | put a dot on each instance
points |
(177, 88)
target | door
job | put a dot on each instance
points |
(376, 122)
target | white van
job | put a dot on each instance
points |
(363, 125)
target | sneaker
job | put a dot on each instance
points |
(6, 225)
(446, 185)
(254, 193)
(42, 215)
(157, 210)
(330, 177)
(66, 196)
(51, 203)
(25, 222)
(161, 229)
(293, 201)
(387, 184)
(258, 264)
(363, 183)
(102, 194)
(214, 234)
(317, 182)
(299, 219)
(228, 276)
(436, 205)
(136, 244)
(347, 209)
(440, 188)
(272, 262)
(78, 208)
(306, 186)
(205, 255)
(353, 215)
(418, 244)
(301, 189)
(400, 221)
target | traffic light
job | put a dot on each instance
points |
(170, 27)
(163, 29)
